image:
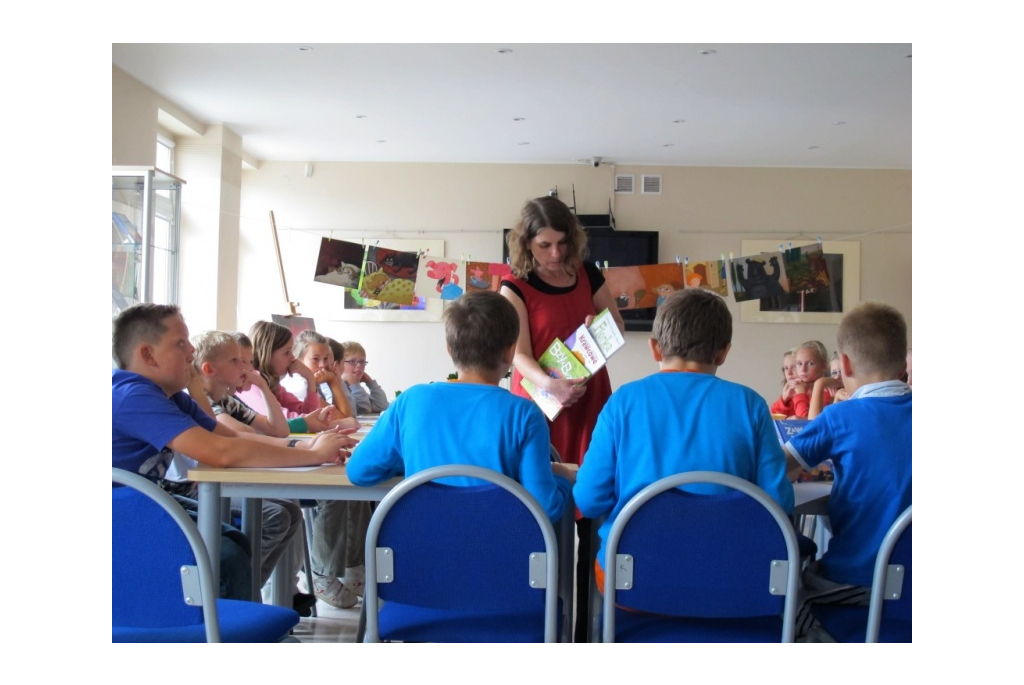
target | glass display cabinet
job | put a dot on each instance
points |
(145, 222)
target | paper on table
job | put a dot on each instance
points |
(281, 468)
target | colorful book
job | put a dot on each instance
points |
(581, 355)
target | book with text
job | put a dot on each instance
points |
(581, 355)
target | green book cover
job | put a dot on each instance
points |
(558, 361)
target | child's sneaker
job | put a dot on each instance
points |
(333, 592)
(355, 579)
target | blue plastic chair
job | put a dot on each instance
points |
(686, 567)
(461, 563)
(888, 617)
(163, 586)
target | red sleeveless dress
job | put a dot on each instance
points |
(557, 313)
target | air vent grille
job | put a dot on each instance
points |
(650, 184)
(624, 184)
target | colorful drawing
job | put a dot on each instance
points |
(339, 263)
(354, 300)
(759, 276)
(485, 275)
(806, 269)
(638, 287)
(709, 275)
(389, 276)
(440, 278)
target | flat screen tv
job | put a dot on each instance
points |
(619, 248)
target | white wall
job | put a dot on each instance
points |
(701, 214)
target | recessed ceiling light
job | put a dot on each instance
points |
(504, 51)
(668, 145)
(812, 147)
(524, 143)
(360, 116)
(709, 52)
(839, 123)
(305, 48)
(518, 118)
(679, 121)
(382, 141)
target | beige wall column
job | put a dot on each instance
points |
(212, 167)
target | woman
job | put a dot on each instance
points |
(554, 290)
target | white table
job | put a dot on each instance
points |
(324, 482)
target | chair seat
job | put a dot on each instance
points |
(407, 623)
(849, 624)
(634, 627)
(239, 622)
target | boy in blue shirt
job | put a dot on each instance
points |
(869, 440)
(471, 420)
(152, 417)
(681, 419)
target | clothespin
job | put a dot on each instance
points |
(820, 244)
(606, 264)
(782, 249)
(508, 261)
(597, 264)
(678, 260)
(331, 237)
(791, 244)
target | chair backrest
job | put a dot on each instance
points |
(162, 575)
(892, 586)
(730, 555)
(487, 547)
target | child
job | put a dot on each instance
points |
(338, 525)
(311, 350)
(811, 361)
(273, 358)
(681, 419)
(337, 552)
(261, 413)
(470, 420)
(783, 406)
(219, 371)
(152, 418)
(832, 384)
(869, 440)
(367, 395)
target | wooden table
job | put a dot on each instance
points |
(323, 482)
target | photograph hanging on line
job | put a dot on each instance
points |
(340, 262)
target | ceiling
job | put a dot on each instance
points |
(774, 105)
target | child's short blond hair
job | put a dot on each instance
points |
(819, 349)
(210, 345)
(350, 347)
(304, 340)
(874, 336)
